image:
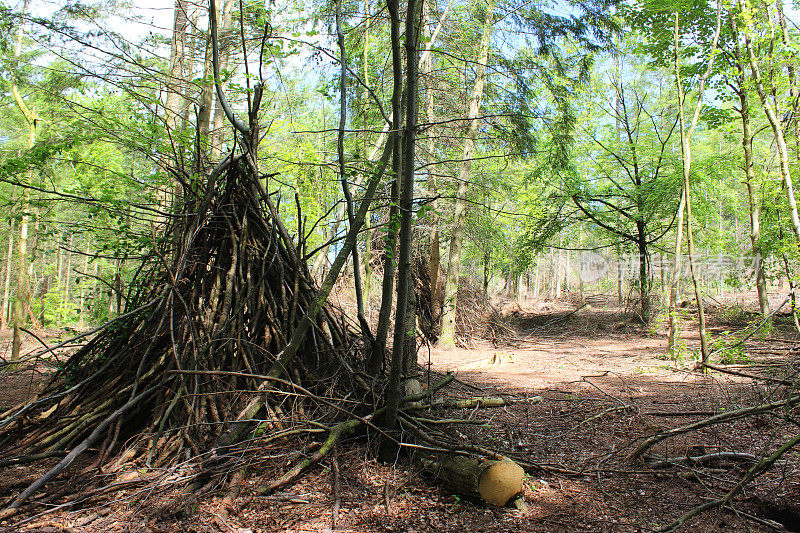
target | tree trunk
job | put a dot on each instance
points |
(343, 169)
(447, 339)
(4, 311)
(206, 90)
(676, 275)
(686, 155)
(368, 235)
(410, 346)
(487, 257)
(22, 298)
(68, 274)
(118, 285)
(84, 284)
(217, 130)
(378, 355)
(494, 482)
(777, 130)
(620, 295)
(404, 332)
(559, 262)
(174, 102)
(753, 206)
(644, 277)
(434, 253)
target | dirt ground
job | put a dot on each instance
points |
(605, 385)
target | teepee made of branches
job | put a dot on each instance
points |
(185, 372)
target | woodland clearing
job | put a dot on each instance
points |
(605, 384)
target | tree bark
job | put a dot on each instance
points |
(174, 102)
(378, 355)
(67, 279)
(775, 124)
(686, 156)
(22, 298)
(217, 130)
(644, 277)
(206, 90)
(84, 283)
(753, 206)
(447, 340)
(4, 311)
(434, 245)
(404, 332)
(494, 482)
(343, 169)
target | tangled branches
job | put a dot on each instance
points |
(176, 376)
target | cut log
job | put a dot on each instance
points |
(494, 482)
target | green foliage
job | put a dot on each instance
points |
(729, 351)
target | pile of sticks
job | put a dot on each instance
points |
(176, 376)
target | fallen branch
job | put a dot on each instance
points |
(479, 402)
(754, 472)
(700, 460)
(754, 377)
(727, 416)
(72, 455)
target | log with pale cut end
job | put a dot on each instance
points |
(494, 482)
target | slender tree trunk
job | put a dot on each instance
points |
(4, 317)
(777, 128)
(118, 286)
(753, 206)
(22, 299)
(686, 155)
(620, 295)
(368, 232)
(96, 292)
(68, 278)
(487, 258)
(206, 90)
(578, 262)
(217, 130)
(410, 346)
(174, 102)
(434, 254)
(378, 355)
(644, 277)
(343, 169)
(59, 263)
(404, 332)
(787, 271)
(676, 276)
(7, 276)
(187, 96)
(559, 262)
(447, 339)
(84, 284)
(618, 111)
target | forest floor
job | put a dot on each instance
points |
(606, 384)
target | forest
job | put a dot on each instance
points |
(486, 265)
